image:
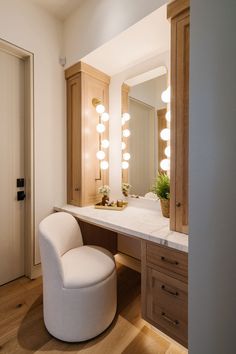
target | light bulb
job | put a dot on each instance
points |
(165, 134)
(126, 117)
(100, 155)
(126, 156)
(165, 164)
(101, 128)
(126, 133)
(104, 165)
(168, 117)
(167, 151)
(105, 117)
(125, 165)
(100, 108)
(165, 96)
(123, 145)
(123, 121)
(105, 143)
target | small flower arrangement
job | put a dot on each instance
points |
(104, 190)
(125, 188)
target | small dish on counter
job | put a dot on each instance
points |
(119, 205)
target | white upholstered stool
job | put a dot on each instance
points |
(79, 282)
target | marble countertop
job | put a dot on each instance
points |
(138, 220)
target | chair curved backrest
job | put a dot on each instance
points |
(58, 233)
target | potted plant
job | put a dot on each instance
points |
(104, 190)
(125, 189)
(162, 189)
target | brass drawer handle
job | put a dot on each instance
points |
(76, 189)
(168, 319)
(174, 293)
(178, 204)
(164, 259)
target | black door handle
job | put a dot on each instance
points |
(21, 195)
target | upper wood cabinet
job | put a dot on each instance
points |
(178, 12)
(84, 175)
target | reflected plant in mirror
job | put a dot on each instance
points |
(126, 189)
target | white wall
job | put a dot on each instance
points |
(150, 91)
(212, 261)
(95, 22)
(26, 25)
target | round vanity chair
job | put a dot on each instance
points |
(79, 282)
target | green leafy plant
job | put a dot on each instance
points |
(162, 186)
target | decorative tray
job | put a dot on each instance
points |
(110, 207)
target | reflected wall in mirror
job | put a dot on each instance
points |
(148, 119)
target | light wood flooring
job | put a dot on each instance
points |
(22, 330)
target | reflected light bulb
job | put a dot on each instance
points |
(101, 128)
(126, 116)
(125, 165)
(123, 121)
(105, 143)
(165, 164)
(100, 108)
(100, 155)
(165, 134)
(126, 133)
(165, 96)
(126, 156)
(104, 165)
(105, 117)
(168, 117)
(167, 151)
(123, 145)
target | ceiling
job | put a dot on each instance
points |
(59, 8)
(147, 38)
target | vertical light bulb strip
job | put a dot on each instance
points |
(103, 143)
(125, 135)
(165, 133)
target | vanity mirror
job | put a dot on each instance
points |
(146, 99)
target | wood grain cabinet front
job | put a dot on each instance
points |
(165, 290)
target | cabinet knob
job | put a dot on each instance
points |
(178, 204)
(76, 189)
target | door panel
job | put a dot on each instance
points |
(12, 167)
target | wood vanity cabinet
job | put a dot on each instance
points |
(84, 175)
(165, 290)
(179, 14)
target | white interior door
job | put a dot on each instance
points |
(12, 211)
(142, 147)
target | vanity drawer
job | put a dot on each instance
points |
(167, 304)
(173, 262)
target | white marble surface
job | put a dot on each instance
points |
(138, 219)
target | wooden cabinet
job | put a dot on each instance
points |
(178, 12)
(84, 175)
(165, 290)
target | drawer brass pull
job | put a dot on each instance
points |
(174, 293)
(168, 319)
(164, 259)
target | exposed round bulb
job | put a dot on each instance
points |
(125, 165)
(100, 155)
(104, 165)
(168, 117)
(101, 128)
(126, 133)
(165, 134)
(105, 144)
(167, 151)
(126, 156)
(126, 117)
(165, 164)
(105, 117)
(123, 121)
(165, 96)
(123, 145)
(100, 108)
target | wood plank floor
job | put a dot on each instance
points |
(22, 330)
